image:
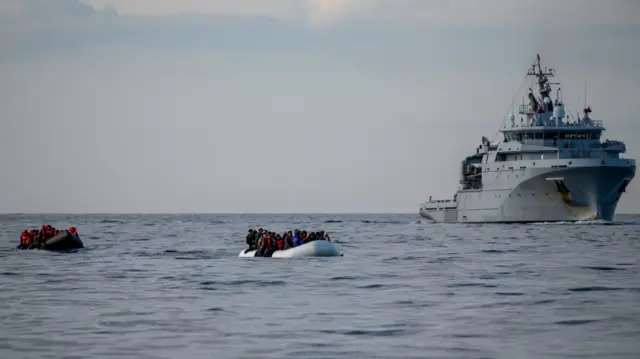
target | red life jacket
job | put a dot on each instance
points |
(280, 243)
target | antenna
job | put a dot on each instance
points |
(585, 93)
(560, 90)
(513, 99)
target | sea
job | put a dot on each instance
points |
(173, 286)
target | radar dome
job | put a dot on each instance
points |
(547, 100)
(558, 112)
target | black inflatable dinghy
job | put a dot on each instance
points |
(62, 242)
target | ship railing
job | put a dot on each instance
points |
(528, 110)
(441, 201)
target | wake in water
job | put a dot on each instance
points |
(595, 222)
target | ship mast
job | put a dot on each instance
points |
(539, 104)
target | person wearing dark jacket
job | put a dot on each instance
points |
(297, 238)
(251, 240)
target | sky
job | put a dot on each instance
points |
(285, 106)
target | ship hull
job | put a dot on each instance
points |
(542, 195)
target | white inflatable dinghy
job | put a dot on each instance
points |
(311, 249)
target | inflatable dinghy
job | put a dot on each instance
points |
(311, 249)
(62, 242)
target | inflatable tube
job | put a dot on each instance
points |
(311, 249)
(248, 253)
(62, 242)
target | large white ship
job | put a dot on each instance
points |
(549, 167)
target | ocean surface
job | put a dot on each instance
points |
(172, 286)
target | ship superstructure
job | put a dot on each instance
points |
(549, 167)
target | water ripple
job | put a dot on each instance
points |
(167, 286)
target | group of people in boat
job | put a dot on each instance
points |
(35, 238)
(264, 241)
(267, 242)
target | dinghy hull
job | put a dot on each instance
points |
(62, 242)
(311, 249)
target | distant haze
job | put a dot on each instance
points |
(286, 105)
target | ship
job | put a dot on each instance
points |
(552, 166)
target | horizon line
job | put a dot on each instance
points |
(213, 213)
(228, 213)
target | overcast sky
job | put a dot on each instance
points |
(285, 105)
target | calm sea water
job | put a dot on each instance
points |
(172, 286)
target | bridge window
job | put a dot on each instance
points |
(580, 136)
(515, 137)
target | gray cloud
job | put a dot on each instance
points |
(52, 9)
(439, 13)
(246, 113)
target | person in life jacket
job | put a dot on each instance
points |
(24, 238)
(73, 231)
(266, 242)
(273, 246)
(286, 241)
(31, 238)
(41, 235)
(312, 237)
(289, 239)
(35, 238)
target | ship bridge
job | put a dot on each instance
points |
(544, 119)
(564, 132)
